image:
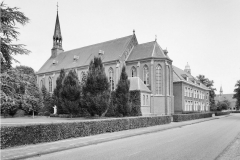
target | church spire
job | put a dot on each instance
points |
(57, 38)
(221, 91)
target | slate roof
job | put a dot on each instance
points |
(147, 50)
(57, 30)
(178, 75)
(137, 84)
(112, 49)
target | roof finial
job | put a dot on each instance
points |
(155, 37)
(133, 31)
(57, 6)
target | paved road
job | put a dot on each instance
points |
(206, 140)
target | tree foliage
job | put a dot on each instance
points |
(237, 94)
(10, 17)
(96, 91)
(223, 105)
(70, 93)
(19, 90)
(57, 91)
(209, 83)
(123, 95)
(47, 100)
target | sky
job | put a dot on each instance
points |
(204, 33)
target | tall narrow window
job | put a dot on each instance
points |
(134, 72)
(168, 80)
(146, 75)
(111, 79)
(50, 84)
(158, 79)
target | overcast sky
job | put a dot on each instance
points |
(204, 33)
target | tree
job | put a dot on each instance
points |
(57, 90)
(70, 93)
(47, 100)
(123, 95)
(209, 83)
(96, 90)
(237, 94)
(222, 105)
(19, 90)
(10, 17)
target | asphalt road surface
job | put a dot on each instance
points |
(206, 140)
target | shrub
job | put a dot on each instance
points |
(187, 117)
(122, 94)
(112, 112)
(46, 113)
(70, 93)
(41, 114)
(22, 135)
(222, 113)
(135, 102)
(54, 115)
(95, 90)
(56, 92)
(235, 111)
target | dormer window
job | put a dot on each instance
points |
(75, 58)
(55, 62)
(185, 77)
(101, 53)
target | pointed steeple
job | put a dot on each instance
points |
(57, 39)
(221, 91)
(57, 31)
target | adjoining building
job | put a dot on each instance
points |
(147, 61)
(189, 93)
(229, 97)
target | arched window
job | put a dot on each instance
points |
(50, 84)
(158, 79)
(111, 79)
(146, 75)
(134, 72)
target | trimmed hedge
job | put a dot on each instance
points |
(31, 134)
(222, 113)
(188, 117)
(235, 111)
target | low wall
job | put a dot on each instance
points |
(31, 134)
(188, 117)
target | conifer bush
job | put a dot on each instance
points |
(70, 93)
(56, 92)
(122, 95)
(47, 100)
(96, 90)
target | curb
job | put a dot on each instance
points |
(34, 154)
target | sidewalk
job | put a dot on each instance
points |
(46, 148)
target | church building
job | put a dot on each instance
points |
(148, 66)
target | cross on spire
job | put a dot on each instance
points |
(57, 6)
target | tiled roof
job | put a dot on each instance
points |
(112, 49)
(147, 50)
(178, 75)
(137, 84)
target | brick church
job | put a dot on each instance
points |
(148, 66)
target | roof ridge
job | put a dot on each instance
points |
(99, 43)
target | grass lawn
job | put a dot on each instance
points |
(40, 120)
